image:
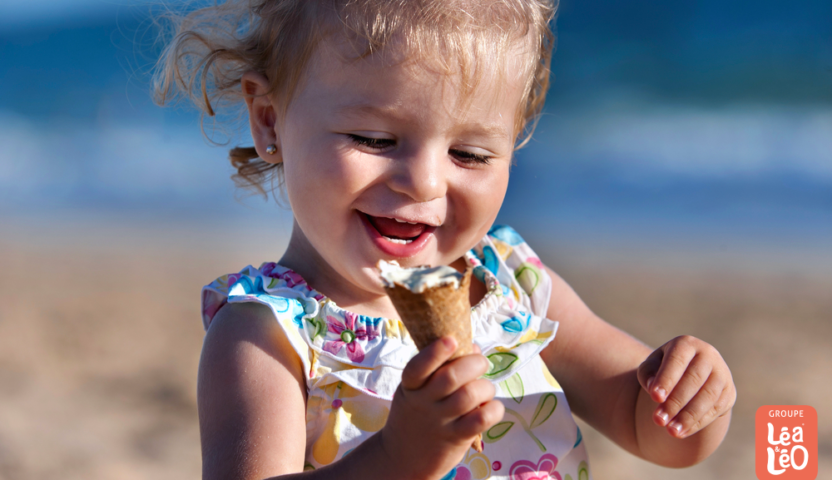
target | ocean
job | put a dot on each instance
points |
(714, 130)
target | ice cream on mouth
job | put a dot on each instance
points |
(418, 279)
(432, 302)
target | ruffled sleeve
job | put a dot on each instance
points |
(286, 294)
(522, 267)
(510, 324)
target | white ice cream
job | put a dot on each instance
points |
(417, 279)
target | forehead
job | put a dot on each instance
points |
(397, 81)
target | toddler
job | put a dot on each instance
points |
(391, 125)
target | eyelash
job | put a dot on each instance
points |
(382, 143)
(374, 143)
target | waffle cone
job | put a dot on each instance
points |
(437, 312)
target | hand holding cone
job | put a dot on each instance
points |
(433, 307)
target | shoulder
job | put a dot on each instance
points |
(245, 341)
(246, 323)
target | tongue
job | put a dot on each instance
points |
(393, 229)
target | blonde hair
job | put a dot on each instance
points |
(212, 47)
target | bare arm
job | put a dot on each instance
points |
(251, 397)
(252, 408)
(599, 367)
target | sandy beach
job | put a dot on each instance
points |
(100, 338)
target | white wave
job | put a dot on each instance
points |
(116, 161)
(685, 140)
(67, 160)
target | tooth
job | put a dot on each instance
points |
(400, 241)
(400, 221)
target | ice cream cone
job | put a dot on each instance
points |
(438, 311)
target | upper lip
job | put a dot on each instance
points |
(401, 218)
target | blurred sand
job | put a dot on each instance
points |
(100, 337)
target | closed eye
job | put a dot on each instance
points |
(373, 143)
(470, 157)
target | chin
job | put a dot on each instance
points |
(372, 280)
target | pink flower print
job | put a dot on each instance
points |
(348, 334)
(462, 473)
(232, 279)
(268, 269)
(544, 470)
(291, 278)
(211, 304)
(535, 261)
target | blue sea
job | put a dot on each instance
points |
(665, 123)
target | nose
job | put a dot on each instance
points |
(420, 173)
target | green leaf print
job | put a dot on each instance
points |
(499, 362)
(514, 386)
(545, 408)
(583, 471)
(319, 327)
(497, 432)
(526, 427)
(528, 277)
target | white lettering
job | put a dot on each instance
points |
(784, 437)
(805, 457)
(771, 440)
(785, 413)
(770, 466)
(784, 458)
(797, 435)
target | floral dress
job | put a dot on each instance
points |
(353, 363)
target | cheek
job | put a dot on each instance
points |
(488, 192)
(481, 201)
(325, 177)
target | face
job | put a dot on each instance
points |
(382, 162)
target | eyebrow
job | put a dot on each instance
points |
(356, 109)
(362, 108)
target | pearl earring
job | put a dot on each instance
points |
(271, 149)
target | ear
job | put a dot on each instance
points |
(262, 115)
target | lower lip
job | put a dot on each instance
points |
(397, 249)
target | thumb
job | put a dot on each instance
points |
(647, 370)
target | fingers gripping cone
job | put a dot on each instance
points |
(434, 311)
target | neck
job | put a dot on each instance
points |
(302, 257)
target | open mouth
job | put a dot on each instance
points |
(395, 237)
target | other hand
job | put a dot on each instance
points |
(691, 382)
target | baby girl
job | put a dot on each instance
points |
(391, 126)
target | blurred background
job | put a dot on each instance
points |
(680, 180)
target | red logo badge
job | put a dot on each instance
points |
(786, 442)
